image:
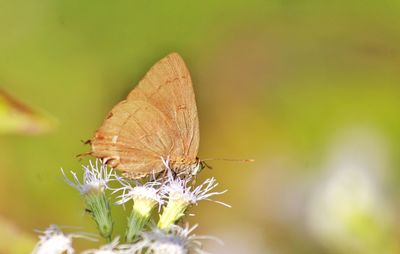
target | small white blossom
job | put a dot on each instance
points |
(148, 191)
(178, 240)
(178, 188)
(145, 197)
(95, 177)
(179, 192)
(54, 241)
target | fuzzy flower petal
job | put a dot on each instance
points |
(54, 241)
(95, 177)
(145, 197)
(178, 240)
(148, 191)
(178, 188)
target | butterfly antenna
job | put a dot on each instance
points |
(206, 164)
(224, 159)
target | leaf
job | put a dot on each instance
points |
(16, 117)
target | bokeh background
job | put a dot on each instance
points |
(309, 89)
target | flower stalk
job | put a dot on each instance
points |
(140, 217)
(174, 210)
(136, 222)
(180, 194)
(99, 208)
(95, 179)
(145, 198)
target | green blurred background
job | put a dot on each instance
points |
(310, 89)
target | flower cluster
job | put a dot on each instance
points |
(169, 197)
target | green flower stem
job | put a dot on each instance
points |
(99, 207)
(136, 223)
(174, 210)
(139, 217)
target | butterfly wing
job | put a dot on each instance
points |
(168, 87)
(158, 119)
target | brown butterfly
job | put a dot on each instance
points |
(157, 121)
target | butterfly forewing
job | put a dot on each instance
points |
(168, 87)
(158, 119)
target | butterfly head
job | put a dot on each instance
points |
(198, 167)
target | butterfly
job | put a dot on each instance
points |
(156, 127)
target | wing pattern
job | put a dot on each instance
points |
(158, 118)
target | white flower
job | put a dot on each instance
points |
(180, 195)
(54, 241)
(148, 191)
(349, 196)
(95, 177)
(144, 197)
(177, 240)
(178, 188)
